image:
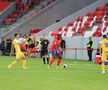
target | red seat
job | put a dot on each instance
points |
(81, 29)
(15, 12)
(20, 12)
(26, 8)
(106, 4)
(70, 24)
(8, 21)
(87, 24)
(80, 18)
(89, 18)
(106, 23)
(99, 9)
(59, 29)
(9, 16)
(99, 29)
(94, 34)
(66, 29)
(74, 29)
(90, 14)
(105, 9)
(53, 34)
(99, 13)
(74, 34)
(99, 19)
(15, 17)
(99, 34)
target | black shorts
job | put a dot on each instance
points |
(44, 52)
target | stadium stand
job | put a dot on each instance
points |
(94, 23)
(22, 8)
(42, 19)
(4, 5)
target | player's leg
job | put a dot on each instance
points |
(24, 60)
(59, 60)
(47, 56)
(43, 56)
(52, 58)
(14, 62)
(104, 58)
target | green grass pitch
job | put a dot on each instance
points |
(80, 75)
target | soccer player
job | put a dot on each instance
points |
(56, 51)
(44, 49)
(18, 52)
(104, 51)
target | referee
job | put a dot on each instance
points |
(44, 50)
(90, 48)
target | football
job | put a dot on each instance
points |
(65, 66)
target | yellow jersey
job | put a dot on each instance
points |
(104, 46)
(16, 46)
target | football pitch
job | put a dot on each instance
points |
(79, 75)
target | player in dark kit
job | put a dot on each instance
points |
(44, 49)
(56, 51)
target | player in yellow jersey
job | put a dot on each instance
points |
(18, 52)
(104, 51)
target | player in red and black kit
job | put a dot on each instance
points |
(56, 51)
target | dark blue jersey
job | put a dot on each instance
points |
(45, 44)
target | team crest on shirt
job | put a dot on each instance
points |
(106, 45)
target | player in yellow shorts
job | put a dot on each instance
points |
(18, 52)
(104, 52)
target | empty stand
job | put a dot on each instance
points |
(94, 23)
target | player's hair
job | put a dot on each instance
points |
(104, 36)
(59, 36)
(15, 34)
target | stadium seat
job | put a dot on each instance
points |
(99, 19)
(70, 24)
(73, 29)
(99, 13)
(81, 29)
(8, 21)
(80, 18)
(99, 9)
(90, 14)
(87, 24)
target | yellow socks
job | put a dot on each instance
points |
(24, 63)
(103, 66)
(14, 62)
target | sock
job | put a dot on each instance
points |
(59, 61)
(24, 63)
(47, 60)
(103, 66)
(44, 60)
(14, 62)
(51, 61)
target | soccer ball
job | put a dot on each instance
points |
(65, 66)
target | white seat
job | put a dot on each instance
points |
(90, 33)
(69, 32)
